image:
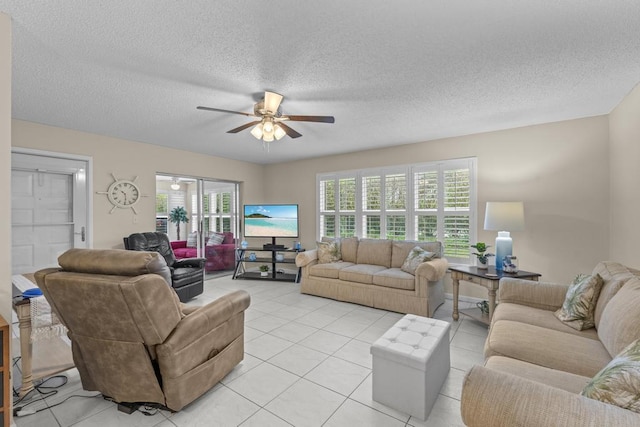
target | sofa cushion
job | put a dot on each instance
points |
(400, 250)
(609, 290)
(416, 256)
(329, 270)
(618, 383)
(545, 347)
(580, 303)
(620, 324)
(538, 317)
(563, 380)
(349, 249)
(215, 239)
(374, 252)
(360, 273)
(395, 278)
(614, 276)
(192, 239)
(185, 252)
(328, 252)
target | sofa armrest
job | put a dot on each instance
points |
(433, 270)
(189, 262)
(497, 399)
(543, 295)
(305, 258)
(195, 337)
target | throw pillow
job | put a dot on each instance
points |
(618, 383)
(192, 240)
(579, 306)
(328, 252)
(416, 257)
(215, 239)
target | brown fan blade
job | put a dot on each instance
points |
(226, 111)
(272, 101)
(243, 127)
(292, 133)
(320, 119)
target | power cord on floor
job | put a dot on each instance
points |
(148, 409)
(21, 412)
(46, 389)
(41, 388)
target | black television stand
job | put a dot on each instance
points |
(243, 257)
(272, 245)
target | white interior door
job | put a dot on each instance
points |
(49, 205)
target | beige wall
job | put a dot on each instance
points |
(128, 159)
(5, 165)
(624, 134)
(560, 171)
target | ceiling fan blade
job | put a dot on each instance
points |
(225, 111)
(320, 119)
(272, 101)
(243, 127)
(292, 133)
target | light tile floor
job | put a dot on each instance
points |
(307, 363)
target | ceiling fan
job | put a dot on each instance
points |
(269, 125)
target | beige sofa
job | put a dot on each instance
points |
(369, 273)
(536, 366)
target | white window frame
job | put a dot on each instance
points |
(411, 210)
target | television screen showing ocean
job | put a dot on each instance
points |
(271, 227)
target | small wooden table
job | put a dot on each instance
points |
(490, 279)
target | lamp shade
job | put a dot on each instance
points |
(504, 216)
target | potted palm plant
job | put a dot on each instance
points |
(176, 216)
(264, 270)
(482, 255)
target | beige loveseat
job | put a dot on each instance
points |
(370, 274)
(536, 366)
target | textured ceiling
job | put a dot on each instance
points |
(391, 72)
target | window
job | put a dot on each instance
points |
(166, 201)
(218, 211)
(426, 202)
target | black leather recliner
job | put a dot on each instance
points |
(187, 274)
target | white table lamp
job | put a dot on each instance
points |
(504, 217)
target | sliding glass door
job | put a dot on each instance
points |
(196, 213)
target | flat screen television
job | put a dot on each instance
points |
(271, 221)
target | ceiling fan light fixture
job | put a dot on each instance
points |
(268, 137)
(257, 131)
(268, 126)
(278, 132)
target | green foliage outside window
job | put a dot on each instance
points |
(162, 203)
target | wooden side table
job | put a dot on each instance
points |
(53, 356)
(488, 278)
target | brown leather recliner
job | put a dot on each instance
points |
(187, 274)
(130, 339)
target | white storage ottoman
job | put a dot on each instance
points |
(410, 364)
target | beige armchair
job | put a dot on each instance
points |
(131, 339)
